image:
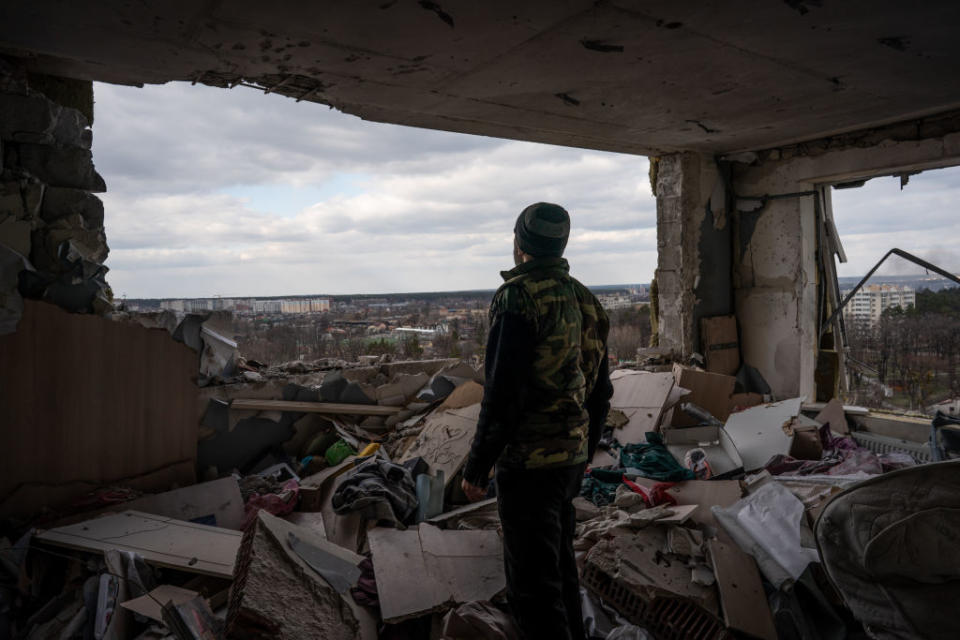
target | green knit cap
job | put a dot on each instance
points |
(542, 230)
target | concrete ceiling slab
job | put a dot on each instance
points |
(622, 75)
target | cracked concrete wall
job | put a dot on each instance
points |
(775, 257)
(52, 239)
(693, 248)
(775, 282)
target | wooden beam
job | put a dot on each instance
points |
(329, 408)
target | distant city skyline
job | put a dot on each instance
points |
(258, 195)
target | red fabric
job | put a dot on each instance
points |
(660, 495)
(654, 496)
(638, 489)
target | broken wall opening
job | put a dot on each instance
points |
(780, 242)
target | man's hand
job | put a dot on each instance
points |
(472, 491)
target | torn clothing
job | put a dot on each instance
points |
(381, 490)
(547, 387)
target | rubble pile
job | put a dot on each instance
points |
(332, 509)
(52, 241)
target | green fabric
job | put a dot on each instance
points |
(338, 452)
(600, 486)
(653, 460)
(571, 332)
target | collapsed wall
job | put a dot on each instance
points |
(52, 240)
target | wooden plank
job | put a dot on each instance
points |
(744, 602)
(329, 408)
(459, 512)
(165, 542)
(108, 401)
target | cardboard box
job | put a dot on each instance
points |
(722, 454)
(720, 344)
(711, 391)
(741, 401)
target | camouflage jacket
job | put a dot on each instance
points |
(535, 408)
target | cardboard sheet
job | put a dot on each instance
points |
(722, 454)
(165, 542)
(834, 413)
(445, 441)
(447, 567)
(710, 391)
(720, 344)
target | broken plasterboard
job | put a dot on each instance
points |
(722, 454)
(195, 548)
(761, 432)
(635, 564)
(447, 567)
(642, 397)
(679, 514)
(217, 503)
(445, 440)
(151, 605)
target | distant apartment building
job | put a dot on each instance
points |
(871, 301)
(293, 305)
(172, 305)
(615, 301)
(304, 305)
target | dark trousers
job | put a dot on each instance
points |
(538, 520)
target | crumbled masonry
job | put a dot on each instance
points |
(282, 538)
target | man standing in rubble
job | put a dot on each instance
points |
(545, 400)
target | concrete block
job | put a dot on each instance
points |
(61, 166)
(59, 202)
(72, 130)
(28, 118)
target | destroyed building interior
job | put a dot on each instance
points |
(156, 486)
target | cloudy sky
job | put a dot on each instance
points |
(236, 193)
